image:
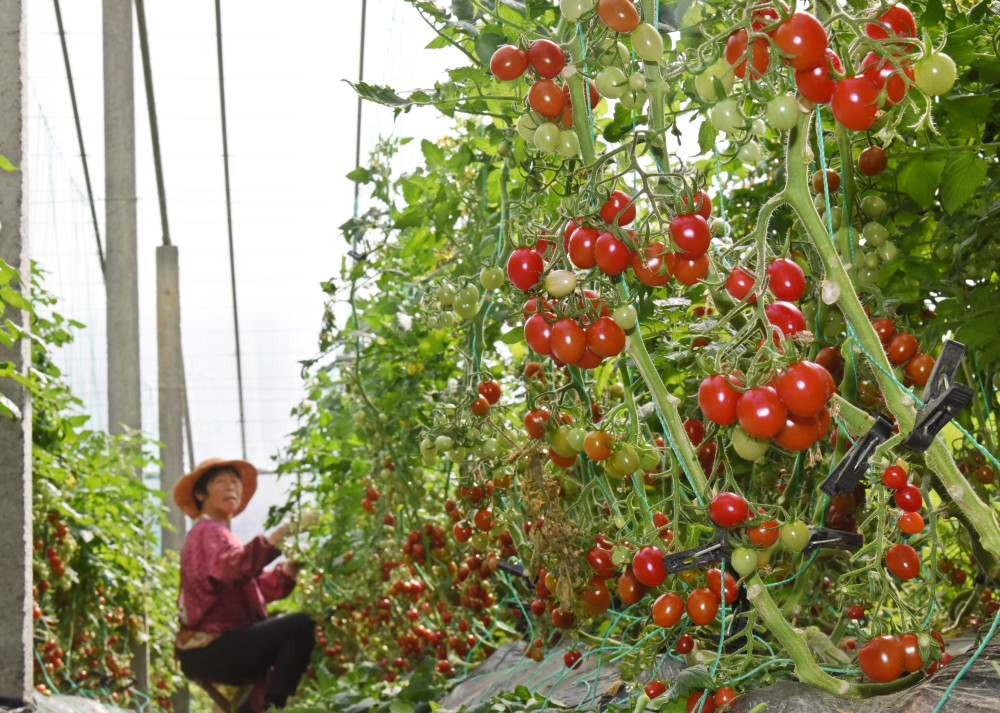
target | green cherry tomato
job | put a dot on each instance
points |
(935, 74)
(469, 293)
(875, 233)
(758, 127)
(783, 112)
(444, 443)
(748, 447)
(750, 152)
(887, 252)
(794, 536)
(480, 541)
(704, 83)
(547, 137)
(491, 278)
(727, 117)
(648, 460)
(561, 444)
(744, 561)
(560, 283)
(625, 460)
(575, 438)
(866, 275)
(526, 126)
(490, 448)
(873, 207)
(647, 43)
(466, 310)
(611, 82)
(573, 10)
(614, 52)
(569, 144)
(446, 295)
(637, 82)
(633, 100)
(625, 316)
(870, 261)
(719, 227)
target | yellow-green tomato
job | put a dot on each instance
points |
(491, 278)
(749, 447)
(887, 252)
(490, 448)
(783, 112)
(633, 100)
(573, 10)
(480, 541)
(744, 561)
(875, 233)
(637, 82)
(794, 536)
(704, 83)
(625, 460)
(560, 442)
(647, 43)
(764, 556)
(569, 144)
(444, 443)
(611, 82)
(935, 74)
(727, 117)
(648, 460)
(560, 283)
(625, 316)
(547, 137)
(614, 53)
(873, 207)
(526, 126)
(576, 438)
(750, 152)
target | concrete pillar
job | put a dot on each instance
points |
(15, 434)
(121, 264)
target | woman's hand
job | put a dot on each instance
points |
(305, 520)
(290, 569)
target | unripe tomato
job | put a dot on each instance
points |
(727, 117)
(491, 278)
(935, 74)
(749, 447)
(572, 10)
(626, 315)
(704, 83)
(794, 536)
(783, 112)
(647, 43)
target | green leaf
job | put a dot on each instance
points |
(381, 94)
(413, 216)
(933, 13)
(486, 44)
(706, 136)
(360, 175)
(919, 179)
(962, 176)
(514, 336)
(433, 154)
(10, 408)
(6, 165)
(400, 707)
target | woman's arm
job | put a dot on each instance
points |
(227, 562)
(279, 582)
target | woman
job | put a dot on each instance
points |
(226, 636)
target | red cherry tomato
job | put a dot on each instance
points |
(816, 83)
(894, 477)
(630, 589)
(787, 281)
(546, 98)
(490, 390)
(595, 597)
(612, 255)
(700, 702)
(534, 422)
(855, 102)
(654, 689)
(568, 340)
(901, 348)
(803, 388)
(538, 334)
(803, 39)
(702, 606)
(786, 317)
(759, 55)
(581, 247)
(739, 284)
(919, 369)
(714, 578)
(605, 338)
(702, 203)
(685, 644)
(688, 269)
(728, 509)
(798, 433)
(649, 265)
(885, 328)
(912, 661)
(546, 57)
(724, 695)
(872, 162)
(600, 560)
(718, 399)
(760, 412)
(908, 498)
(691, 233)
(911, 523)
(647, 566)
(885, 74)
(695, 431)
(524, 268)
(882, 659)
(764, 535)
(897, 21)
(480, 406)
(668, 609)
(618, 202)
(508, 63)
(619, 15)
(903, 561)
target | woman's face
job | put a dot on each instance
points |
(225, 493)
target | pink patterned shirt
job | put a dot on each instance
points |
(223, 583)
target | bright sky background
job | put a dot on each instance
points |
(291, 123)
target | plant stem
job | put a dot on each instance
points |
(579, 95)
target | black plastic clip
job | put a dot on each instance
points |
(515, 570)
(942, 398)
(846, 475)
(698, 556)
(834, 539)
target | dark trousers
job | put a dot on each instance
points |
(284, 642)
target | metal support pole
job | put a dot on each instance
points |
(16, 670)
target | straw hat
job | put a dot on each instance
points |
(184, 490)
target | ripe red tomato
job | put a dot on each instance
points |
(567, 232)
(856, 612)
(620, 16)
(903, 561)
(919, 369)
(581, 247)
(885, 328)
(546, 98)
(803, 388)
(612, 255)
(894, 477)
(668, 609)
(786, 317)
(600, 560)
(696, 704)
(463, 533)
(829, 358)
(902, 348)
(763, 535)
(787, 281)
(630, 589)
(571, 658)
(484, 519)
(872, 162)
(714, 578)
(759, 55)
(605, 338)
(911, 523)
(685, 644)
(816, 83)
(534, 422)
(490, 390)
(568, 340)
(798, 433)
(647, 566)
(803, 39)
(908, 498)
(702, 203)
(546, 57)
(595, 597)
(538, 334)
(702, 606)
(718, 399)
(618, 202)
(885, 74)
(855, 103)
(882, 659)
(897, 21)
(728, 509)
(691, 233)
(695, 430)
(508, 63)
(654, 689)
(480, 406)
(649, 265)
(724, 695)
(524, 268)
(562, 619)
(761, 412)
(688, 269)
(912, 661)
(739, 284)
